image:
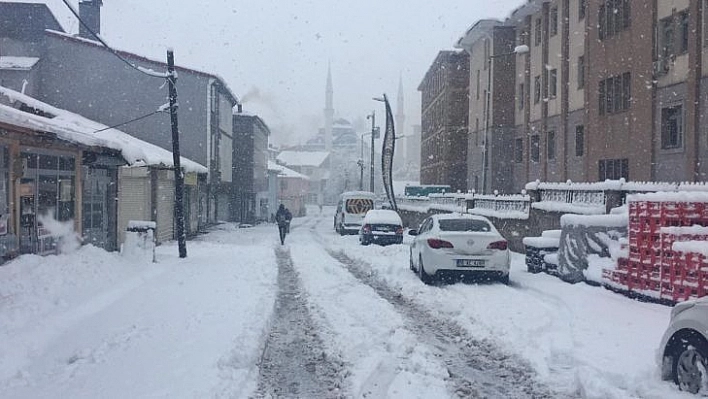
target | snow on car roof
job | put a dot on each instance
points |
(444, 216)
(384, 216)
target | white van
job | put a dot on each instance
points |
(351, 209)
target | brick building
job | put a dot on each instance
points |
(608, 89)
(444, 116)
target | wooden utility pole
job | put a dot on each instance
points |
(179, 175)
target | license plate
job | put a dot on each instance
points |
(471, 263)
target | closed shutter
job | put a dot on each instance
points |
(133, 198)
(165, 206)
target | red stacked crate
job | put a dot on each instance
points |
(656, 221)
(684, 274)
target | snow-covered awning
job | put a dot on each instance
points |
(13, 63)
(80, 130)
(285, 172)
(303, 158)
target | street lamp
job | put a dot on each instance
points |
(522, 49)
(374, 134)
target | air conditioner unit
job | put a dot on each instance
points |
(661, 67)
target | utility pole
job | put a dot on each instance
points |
(179, 175)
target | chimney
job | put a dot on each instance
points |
(240, 108)
(90, 13)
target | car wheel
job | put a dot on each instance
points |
(341, 230)
(690, 364)
(424, 277)
(364, 241)
(504, 279)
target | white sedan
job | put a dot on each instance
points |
(459, 246)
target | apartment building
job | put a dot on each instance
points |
(490, 46)
(444, 118)
(680, 146)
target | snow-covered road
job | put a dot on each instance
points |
(242, 317)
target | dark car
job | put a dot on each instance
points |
(381, 226)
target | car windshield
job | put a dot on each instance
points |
(464, 225)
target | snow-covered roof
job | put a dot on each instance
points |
(136, 57)
(303, 158)
(8, 62)
(78, 129)
(285, 172)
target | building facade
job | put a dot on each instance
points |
(444, 118)
(490, 46)
(250, 202)
(604, 90)
(82, 76)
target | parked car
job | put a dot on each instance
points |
(459, 246)
(351, 209)
(381, 226)
(683, 353)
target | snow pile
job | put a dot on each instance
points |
(93, 324)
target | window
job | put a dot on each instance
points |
(553, 21)
(551, 145)
(613, 169)
(672, 127)
(521, 96)
(536, 89)
(582, 7)
(523, 38)
(537, 35)
(615, 93)
(626, 90)
(579, 141)
(684, 32)
(476, 131)
(478, 84)
(581, 72)
(666, 47)
(519, 150)
(535, 148)
(486, 54)
(613, 17)
(553, 83)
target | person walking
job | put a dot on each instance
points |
(281, 217)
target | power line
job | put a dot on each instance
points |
(159, 110)
(146, 71)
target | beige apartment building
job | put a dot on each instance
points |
(490, 45)
(601, 89)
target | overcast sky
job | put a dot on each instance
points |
(273, 54)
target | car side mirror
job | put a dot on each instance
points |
(412, 232)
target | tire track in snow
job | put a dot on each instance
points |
(294, 362)
(477, 368)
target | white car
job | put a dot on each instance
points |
(381, 226)
(683, 353)
(459, 246)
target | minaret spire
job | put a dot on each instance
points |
(329, 109)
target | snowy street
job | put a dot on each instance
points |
(321, 316)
